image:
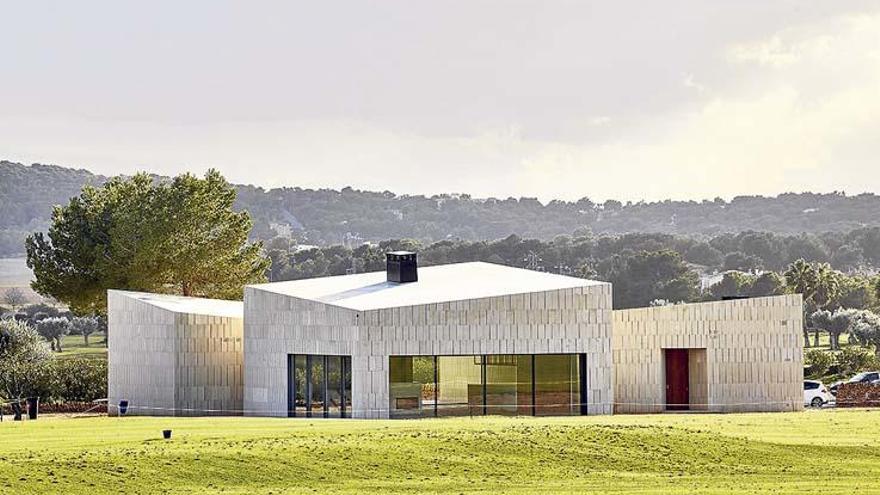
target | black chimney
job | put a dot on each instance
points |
(401, 266)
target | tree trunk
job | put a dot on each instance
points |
(58, 340)
(816, 338)
(806, 338)
(86, 339)
(834, 338)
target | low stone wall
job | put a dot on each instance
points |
(858, 395)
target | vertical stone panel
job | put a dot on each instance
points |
(543, 322)
(753, 353)
(166, 362)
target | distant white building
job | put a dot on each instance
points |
(465, 339)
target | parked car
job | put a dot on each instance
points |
(815, 394)
(863, 377)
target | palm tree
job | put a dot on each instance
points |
(801, 279)
(827, 290)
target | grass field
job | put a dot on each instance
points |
(74, 346)
(809, 452)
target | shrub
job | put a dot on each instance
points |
(854, 359)
(79, 380)
(24, 361)
(819, 362)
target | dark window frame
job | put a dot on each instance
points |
(310, 359)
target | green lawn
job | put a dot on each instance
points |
(74, 346)
(811, 452)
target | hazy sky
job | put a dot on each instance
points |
(626, 100)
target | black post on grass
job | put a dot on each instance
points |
(33, 407)
(166, 434)
(16, 411)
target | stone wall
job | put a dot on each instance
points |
(574, 320)
(171, 363)
(141, 355)
(753, 354)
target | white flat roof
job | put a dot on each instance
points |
(442, 283)
(189, 305)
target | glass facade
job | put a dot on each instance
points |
(411, 386)
(459, 385)
(557, 385)
(318, 386)
(509, 384)
(504, 384)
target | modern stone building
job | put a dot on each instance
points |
(448, 340)
(174, 356)
(464, 339)
(724, 356)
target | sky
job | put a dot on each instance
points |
(548, 99)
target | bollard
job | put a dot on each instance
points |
(166, 434)
(33, 407)
(123, 407)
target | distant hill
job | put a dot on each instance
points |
(325, 216)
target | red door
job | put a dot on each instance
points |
(677, 394)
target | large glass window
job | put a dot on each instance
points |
(346, 387)
(299, 383)
(459, 385)
(411, 386)
(316, 388)
(319, 386)
(509, 384)
(334, 386)
(557, 385)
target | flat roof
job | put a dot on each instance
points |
(441, 283)
(189, 305)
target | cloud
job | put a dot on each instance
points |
(799, 109)
(806, 116)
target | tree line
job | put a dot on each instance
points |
(183, 236)
(326, 216)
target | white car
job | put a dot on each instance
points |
(815, 394)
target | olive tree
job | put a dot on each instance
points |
(85, 326)
(835, 323)
(53, 330)
(24, 360)
(866, 329)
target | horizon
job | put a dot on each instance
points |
(628, 101)
(543, 201)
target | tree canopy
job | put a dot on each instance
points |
(172, 236)
(23, 358)
(326, 216)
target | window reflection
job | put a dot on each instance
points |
(557, 385)
(412, 391)
(319, 386)
(503, 384)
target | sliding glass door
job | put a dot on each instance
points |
(318, 386)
